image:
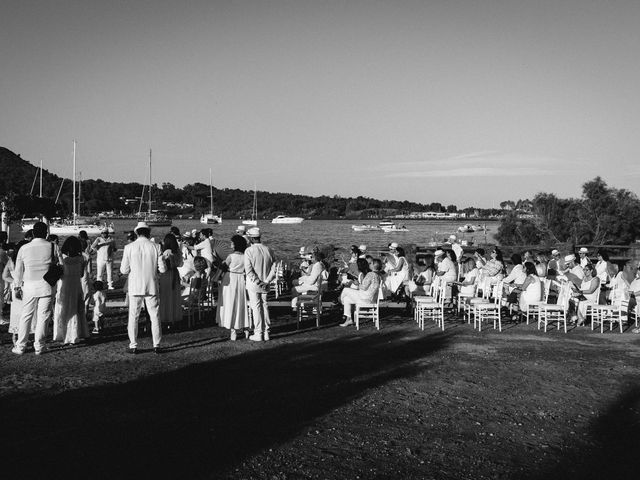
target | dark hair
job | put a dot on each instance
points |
(199, 264)
(131, 235)
(143, 232)
(52, 238)
(72, 247)
(480, 251)
(428, 260)
(29, 234)
(529, 268)
(98, 285)
(377, 263)
(451, 254)
(516, 259)
(604, 254)
(363, 265)
(239, 243)
(82, 235)
(400, 251)
(355, 249)
(174, 231)
(590, 267)
(39, 230)
(498, 254)
(170, 243)
(207, 232)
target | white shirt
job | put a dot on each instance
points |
(517, 275)
(104, 254)
(32, 263)
(259, 265)
(140, 261)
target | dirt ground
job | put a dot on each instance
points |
(328, 403)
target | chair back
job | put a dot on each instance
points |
(564, 295)
(546, 288)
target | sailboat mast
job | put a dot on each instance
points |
(149, 181)
(211, 191)
(74, 182)
(40, 178)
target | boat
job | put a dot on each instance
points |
(466, 228)
(394, 229)
(151, 218)
(386, 223)
(254, 211)
(210, 218)
(287, 220)
(365, 228)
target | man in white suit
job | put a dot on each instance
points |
(259, 265)
(141, 261)
(32, 263)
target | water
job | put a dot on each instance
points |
(286, 240)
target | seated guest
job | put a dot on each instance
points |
(555, 265)
(471, 274)
(421, 282)
(365, 291)
(621, 284)
(446, 271)
(493, 270)
(531, 288)
(309, 283)
(572, 272)
(397, 269)
(587, 294)
(541, 265)
(515, 278)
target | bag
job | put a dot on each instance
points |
(55, 271)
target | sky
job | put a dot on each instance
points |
(464, 102)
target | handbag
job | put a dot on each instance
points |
(55, 270)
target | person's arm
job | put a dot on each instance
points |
(125, 266)
(250, 272)
(527, 281)
(493, 268)
(593, 286)
(6, 273)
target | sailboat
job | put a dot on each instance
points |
(254, 210)
(153, 219)
(28, 223)
(73, 228)
(210, 218)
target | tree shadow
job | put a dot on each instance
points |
(609, 450)
(206, 418)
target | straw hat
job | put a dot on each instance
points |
(555, 252)
(253, 232)
(141, 225)
(583, 250)
(438, 252)
(393, 245)
(570, 258)
(362, 248)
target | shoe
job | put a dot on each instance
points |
(157, 350)
(256, 337)
(132, 351)
(41, 351)
(247, 333)
(95, 330)
(233, 336)
(111, 288)
(17, 350)
(348, 322)
(265, 335)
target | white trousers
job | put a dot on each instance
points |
(102, 266)
(135, 305)
(350, 297)
(42, 309)
(260, 311)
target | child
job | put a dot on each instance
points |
(99, 304)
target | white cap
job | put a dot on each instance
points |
(253, 232)
(438, 253)
(302, 251)
(141, 225)
(186, 235)
(570, 258)
(583, 250)
(393, 245)
(362, 248)
(555, 252)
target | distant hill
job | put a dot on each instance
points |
(98, 196)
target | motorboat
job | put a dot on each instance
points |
(287, 220)
(386, 223)
(394, 228)
(365, 228)
(466, 228)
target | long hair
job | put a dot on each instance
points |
(170, 243)
(71, 247)
(239, 243)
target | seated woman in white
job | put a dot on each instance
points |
(362, 292)
(421, 282)
(397, 269)
(492, 271)
(309, 283)
(587, 294)
(446, 271)
(470, 277)
(531, 287)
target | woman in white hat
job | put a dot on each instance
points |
(397, 269)
(584, 259)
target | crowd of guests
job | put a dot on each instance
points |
(158, 275)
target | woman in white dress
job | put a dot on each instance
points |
(364, 291)
(588, 293)
(231, 311)
(531, 287)
(16, 303)
(421, 282)
(69, 320)
(397, 269)
(170, 287)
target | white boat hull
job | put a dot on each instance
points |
(287, 220)
(210, 219)
(71, 230)
(364, 228)
(253, 223)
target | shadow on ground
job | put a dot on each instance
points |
(204, 419)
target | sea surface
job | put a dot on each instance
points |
(286, 240)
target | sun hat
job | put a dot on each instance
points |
(583, 250)
(253, 232)
(438, 253)
(393, 245)
(555, 252)
(194, 232)
(141, 225)
(570, 258)
(362, 248)
(241, 228)
(186, 235)
(453, 237)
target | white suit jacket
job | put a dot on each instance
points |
(32, 263)
(141, 261)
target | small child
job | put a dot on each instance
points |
(99, 304)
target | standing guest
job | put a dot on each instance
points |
(69, 321)
(170, 287)
(104, 246)
(259, 265)
(28, 235)
(32, 263)
(55, 240)
(555, 265)
(203, 247)
(309, 283)
(457, 249)
(86, 248)
(605, 270)
(140, 260)
(4, 259)
(364, 291)
(99, 305)
(231, 312)
(584, 259)
(242, 231)
(8, 275)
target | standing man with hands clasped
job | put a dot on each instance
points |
(259, 265)
(104, 246)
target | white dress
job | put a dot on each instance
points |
(397, 273)
(533, 293)
(231, 311)
(69, 322)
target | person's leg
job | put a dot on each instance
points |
(135, 304)
(100, 267)
(109, 268)
(256, 309)
(44, 311)
(153, 307)
(29, 304)
(265, 315)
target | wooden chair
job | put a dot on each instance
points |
(369, 311)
